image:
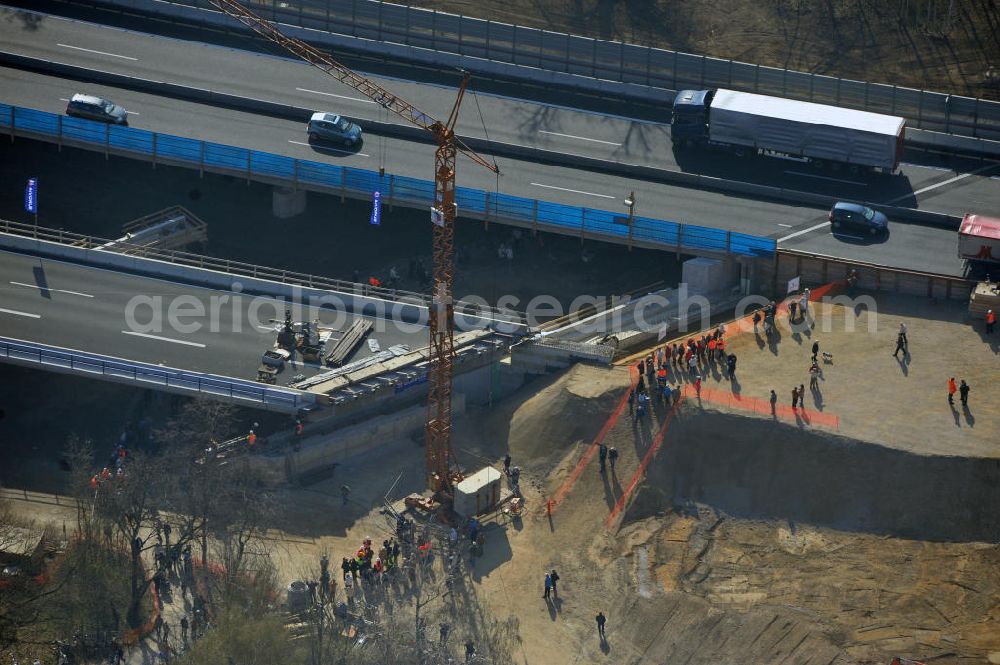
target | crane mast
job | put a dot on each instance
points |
(437, 430)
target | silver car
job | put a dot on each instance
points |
(330, 127)
(96, 108)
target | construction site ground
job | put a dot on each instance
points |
(725, 534)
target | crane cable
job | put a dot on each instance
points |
(382, 148)
(486, 131)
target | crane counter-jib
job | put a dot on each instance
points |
(806, 129)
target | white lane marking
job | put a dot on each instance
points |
(163, 339)
(575, 191)
(580, 138)
(925, 166)
(330, 94)
(323, 147)
(942, 183)
(803, 231)
(787, 226)
(895, 200)
(823, 177)
(90, 50)
(17, 313)
(45, 288)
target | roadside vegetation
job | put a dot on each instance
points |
(942, 45)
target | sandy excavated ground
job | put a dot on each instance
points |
(750, 538)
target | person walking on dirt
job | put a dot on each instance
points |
(601, 620)
(470, 651)
(506, 464)
(952, 389)
(602, 454)
(443, 633)
(548, 587)
(802, 395)
(815, 350)
(774, 402)
(756, 322)
(613, 456)
(963, 391)
(795, 397)
(901, 342)
(555, 578)
(731, 365)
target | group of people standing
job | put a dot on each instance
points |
(692, 355)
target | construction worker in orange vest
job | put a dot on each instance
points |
(252, 438)
(952, 389)
(991, 320)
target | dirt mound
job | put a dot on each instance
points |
(571, 409)
(757, 468)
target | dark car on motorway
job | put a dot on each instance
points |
(857, 217)
(330, 127)
(96, 108)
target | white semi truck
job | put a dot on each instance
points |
(744, 122)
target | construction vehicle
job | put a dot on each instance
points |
(747, 123)
(438, 450)
(307, 338)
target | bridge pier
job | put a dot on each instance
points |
(287, 202)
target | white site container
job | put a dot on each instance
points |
(479, 493)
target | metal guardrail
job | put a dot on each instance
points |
(238, 268)
(823, 269)
(209, 385)
(618, 61)
(396, 190)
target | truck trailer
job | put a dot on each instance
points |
(743, 123)
(979, 239)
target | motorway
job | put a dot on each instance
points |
(927, 185)
(85, 309)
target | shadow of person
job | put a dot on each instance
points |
(903, 365)
(734, 385)
(550, 605)
(609, 496)
(557, 604)
(954, 414)
(817, 397)
(969, 418)
(605, 646)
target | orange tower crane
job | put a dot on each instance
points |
(442, 319)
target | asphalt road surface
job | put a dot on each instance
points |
(927, 185)
(87, 309)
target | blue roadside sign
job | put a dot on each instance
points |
(376, 208)
(31, 196)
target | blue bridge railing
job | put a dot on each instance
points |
(249, 393)
(349, 181)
